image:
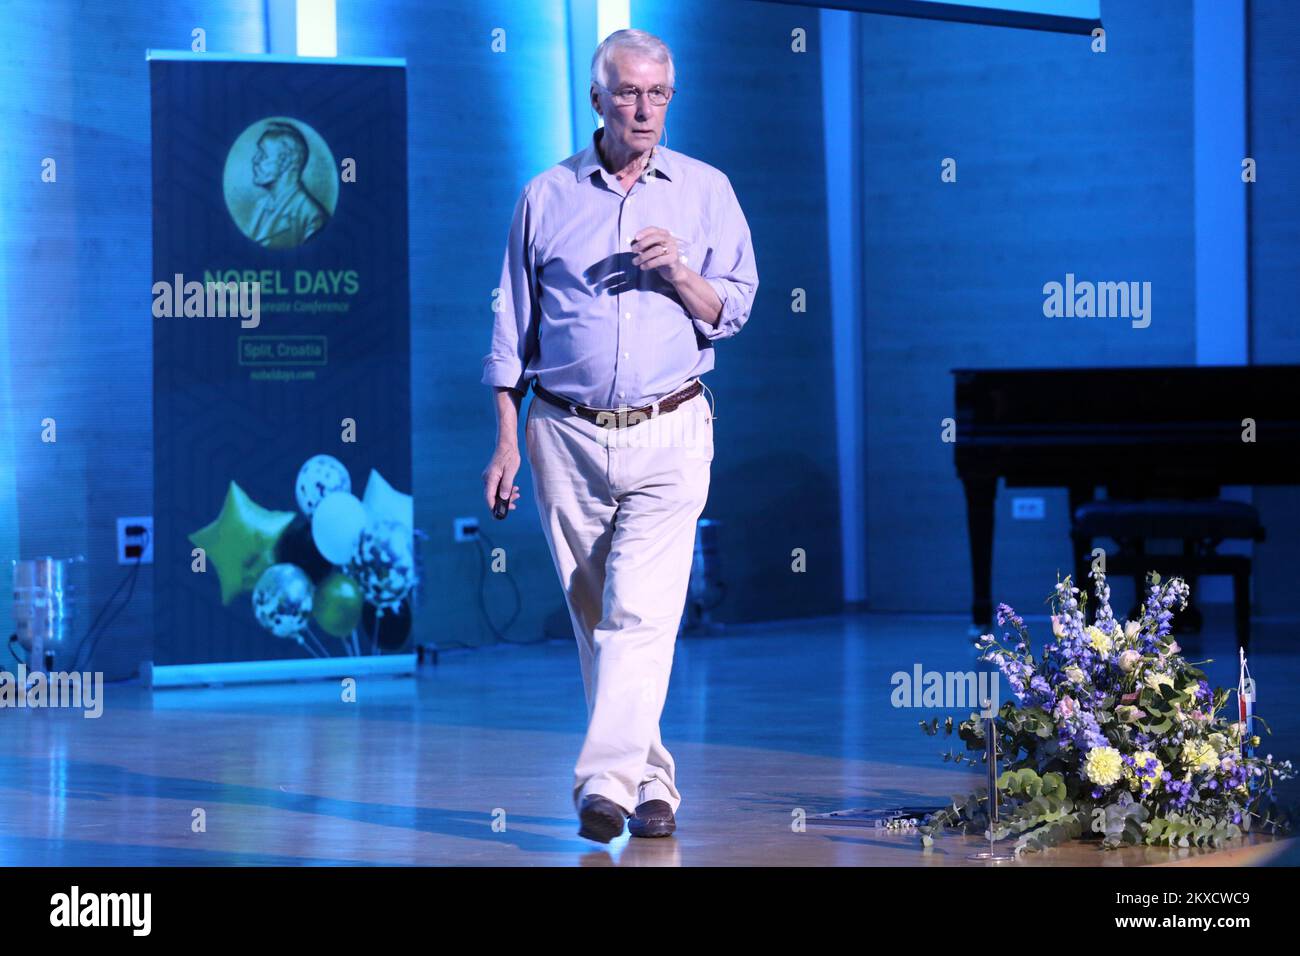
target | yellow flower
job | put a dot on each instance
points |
(1103, 766)
(1099, 639)
(1200, 755)
(1136, 777)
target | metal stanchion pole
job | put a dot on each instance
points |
(991, 855)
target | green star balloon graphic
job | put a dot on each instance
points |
(241, 542)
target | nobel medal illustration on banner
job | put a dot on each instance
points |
(281, 182)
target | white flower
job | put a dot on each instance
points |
(1131, 629)
(1057, 628)
(1129, 714)
(1154, 680)
(1074, 674)
(1128, 660)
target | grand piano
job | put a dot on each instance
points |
(1138, 432)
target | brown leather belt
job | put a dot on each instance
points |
(621, 417)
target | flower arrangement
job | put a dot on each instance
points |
(1114, 734)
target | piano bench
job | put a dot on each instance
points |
(1200, 524)
(1205, 519)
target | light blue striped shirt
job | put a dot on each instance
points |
(574, 311)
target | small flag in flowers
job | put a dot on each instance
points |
(1246, 704)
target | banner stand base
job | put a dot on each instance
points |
(266, 672)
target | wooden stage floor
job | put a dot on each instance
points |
(764, 722)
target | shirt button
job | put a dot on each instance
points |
(627, 315)
(622, 394)
(625, 355)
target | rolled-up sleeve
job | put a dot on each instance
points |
(730, 268)
(516, 304)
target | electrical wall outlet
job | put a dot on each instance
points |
(465, 529)
(135, 540)
(1028, 509)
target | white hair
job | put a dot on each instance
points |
(631, 41)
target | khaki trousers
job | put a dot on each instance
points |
(619, 508)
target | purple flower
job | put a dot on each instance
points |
(1005, 614)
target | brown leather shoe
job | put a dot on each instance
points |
(654, 818)
(602, 819)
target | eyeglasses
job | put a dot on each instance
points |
(627, 95)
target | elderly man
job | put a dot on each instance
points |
(624, 264)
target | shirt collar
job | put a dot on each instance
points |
(661, 162)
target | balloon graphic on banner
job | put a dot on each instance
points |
(336, 526)
(394, 625)
(336, 605)
(297, 547)
(384, 564)
(241, 542)
(319, 477)
(384, 502)
(282, 600)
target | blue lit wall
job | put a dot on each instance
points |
(1068, 161)
(1274, 78)
(75, 262)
